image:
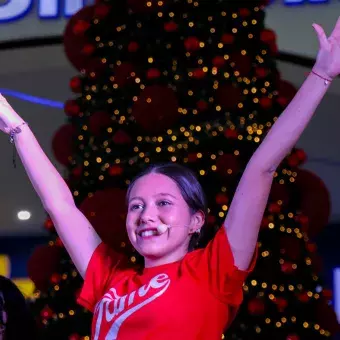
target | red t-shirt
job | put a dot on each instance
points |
(192, 299)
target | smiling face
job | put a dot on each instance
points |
(156, 199)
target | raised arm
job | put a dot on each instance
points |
(77, 234)
(246, 211)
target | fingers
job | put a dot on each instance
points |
(323, 41)
(336, 31)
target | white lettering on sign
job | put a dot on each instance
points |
(46, 9)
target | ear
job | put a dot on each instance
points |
(197, 222)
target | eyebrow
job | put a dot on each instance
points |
(159, 194)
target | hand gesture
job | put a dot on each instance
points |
(328, 59)
(9, 119)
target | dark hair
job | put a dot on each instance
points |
(20, 323)
(189, 186)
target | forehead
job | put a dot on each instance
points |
(153, 184)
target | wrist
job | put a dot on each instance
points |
(319, 71)
(321, 75)
(14, 123)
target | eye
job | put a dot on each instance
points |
(164, 203)
(136, 206)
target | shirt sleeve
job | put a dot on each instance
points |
(215, 265)
(104, 264)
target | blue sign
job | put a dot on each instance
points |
(46, 9)
(301, 2)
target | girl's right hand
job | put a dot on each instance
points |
(9, 119)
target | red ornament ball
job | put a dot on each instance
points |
(282, 101)
(121, 138)
(231, 133)
(115, 170)
(71, 108)
(59, 243)
(303, 297)
(261, 72)
(293, 337)
(133, 46)
(218, 61)
(101, 10)
(222, 199)
(98, 121)
(265, 222)
(42, 264)
(256, 306)
(268, 36)
(153, 73)
(88, 49)
(211, 220)
(192, 157)
(76, 84)
(287, 267)
(74, 336)
(228, 38)
(244, 12)
(46, 312)
(75, 39)
(192, 44)
(301, 155)
(303, 220)
(49, 224)
(170, 26)
(198, 74)
(286, 90)
(77, 171)
(266, 103)
(314, 200)
(62, 144)
(55, 278)
(281, 303)
(202, 105)
(80, 27)
(274, 208)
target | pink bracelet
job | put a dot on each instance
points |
(327, 81)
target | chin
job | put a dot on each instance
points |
(152, 251)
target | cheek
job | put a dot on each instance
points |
(175, 216)
(130, 223)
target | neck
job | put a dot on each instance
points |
(153, 261)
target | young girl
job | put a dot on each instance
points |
(178, 294)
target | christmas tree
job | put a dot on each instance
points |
(193, 82)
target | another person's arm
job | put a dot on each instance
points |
(75, 231)
(246, 211)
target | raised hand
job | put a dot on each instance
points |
(328, 59)
(9, 119)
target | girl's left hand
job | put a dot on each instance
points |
(328, 58)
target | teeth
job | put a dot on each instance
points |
(147, 233)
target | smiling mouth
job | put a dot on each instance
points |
(148, 233)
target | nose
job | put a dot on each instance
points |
(149, 214)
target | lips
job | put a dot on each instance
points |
(149, 232)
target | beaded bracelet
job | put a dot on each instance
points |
(12, 133)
